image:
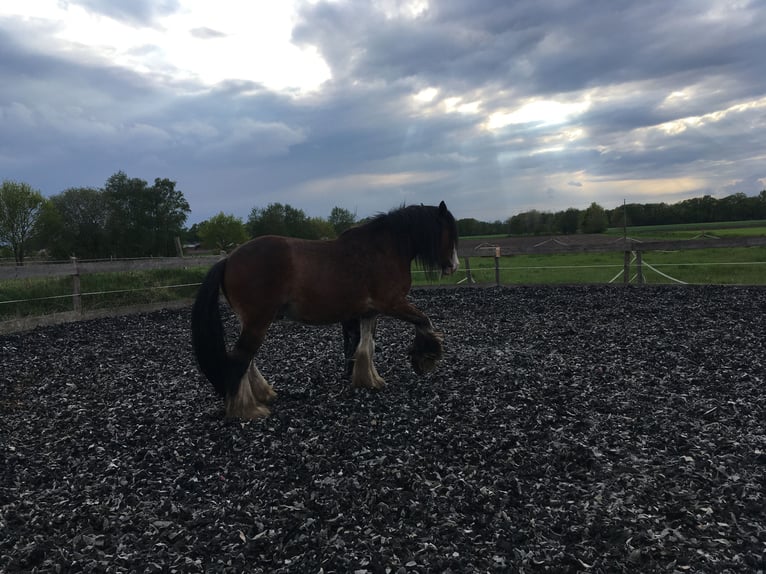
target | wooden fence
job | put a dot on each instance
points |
(79, 267)
(75, 269)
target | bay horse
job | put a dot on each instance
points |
(364, 273)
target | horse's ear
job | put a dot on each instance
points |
(442, 209)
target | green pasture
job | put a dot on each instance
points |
(746, 265)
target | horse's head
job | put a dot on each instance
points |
(448, 258)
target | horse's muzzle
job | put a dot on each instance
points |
(452, 266)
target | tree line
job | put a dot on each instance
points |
(596, 219)
(706, 209)
(128, 217)
(223, 231)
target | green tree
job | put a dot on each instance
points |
(595, 219)
(127, 204)
(569, 221)
(222, 232)
(74, 224)
(532, 222)
(20, 207)
(341, 219)
(468, 226)
(168, 213)
(266, 221)
(319, 228)
(760, 205)
(191, 234)
(143, 220)
(279, 219)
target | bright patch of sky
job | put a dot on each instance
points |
(205, 41)
(542, 112)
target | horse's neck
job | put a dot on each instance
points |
(372, 241)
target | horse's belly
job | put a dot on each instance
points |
(320, 310)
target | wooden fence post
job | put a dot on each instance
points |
(497, 266)
(468, 276)
(76, 290)
(639, 269)
(626, 268)
(179, 247)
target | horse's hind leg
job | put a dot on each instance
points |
(351, 337)
(364, 373)
(253, 392)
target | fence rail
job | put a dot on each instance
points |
(83, 267)
(560, 246)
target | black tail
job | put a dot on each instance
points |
(208, 337)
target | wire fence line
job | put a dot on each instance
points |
(622, 269)
(654, 267)
(125, 304)
(109, 292)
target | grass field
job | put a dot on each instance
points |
(704, 266)
(25, 297)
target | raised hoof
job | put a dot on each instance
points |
(426, 352)
(424, 363)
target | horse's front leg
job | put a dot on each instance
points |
(427, 349)
(363, 371)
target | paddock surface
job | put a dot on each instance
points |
(568, 429)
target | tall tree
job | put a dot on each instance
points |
(595, 219)
(279, 219)
(341, 219)
(319, 228)
(143, 220)
(20, 207)
(568, 222)
(74, 224)
(222, 232)
(127, 201)
(169, 211)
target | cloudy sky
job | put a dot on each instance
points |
(495, 106)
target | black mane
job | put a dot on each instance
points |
(417, 231)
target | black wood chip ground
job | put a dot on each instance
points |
(569, 429)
